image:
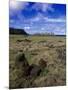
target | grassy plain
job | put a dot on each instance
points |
(46, 57)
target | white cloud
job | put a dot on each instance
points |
(37, 18)
(11, 21)
(26, 27)
(46, 7)
(56, 28)
(42, 28)
(16, 5)
(43, 6)
(42, 19)
(59, 19)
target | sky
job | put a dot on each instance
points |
(35, 17)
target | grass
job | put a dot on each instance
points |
(50, 49)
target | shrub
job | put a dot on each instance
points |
(42, 63)
(19, 40)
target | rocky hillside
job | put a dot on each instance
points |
(17, 31)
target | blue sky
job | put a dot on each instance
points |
(38, 17)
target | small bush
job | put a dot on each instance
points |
(59, 41)
(42, 63)
(19, 40)
(27, 40)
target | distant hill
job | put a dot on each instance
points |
(17, 31)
